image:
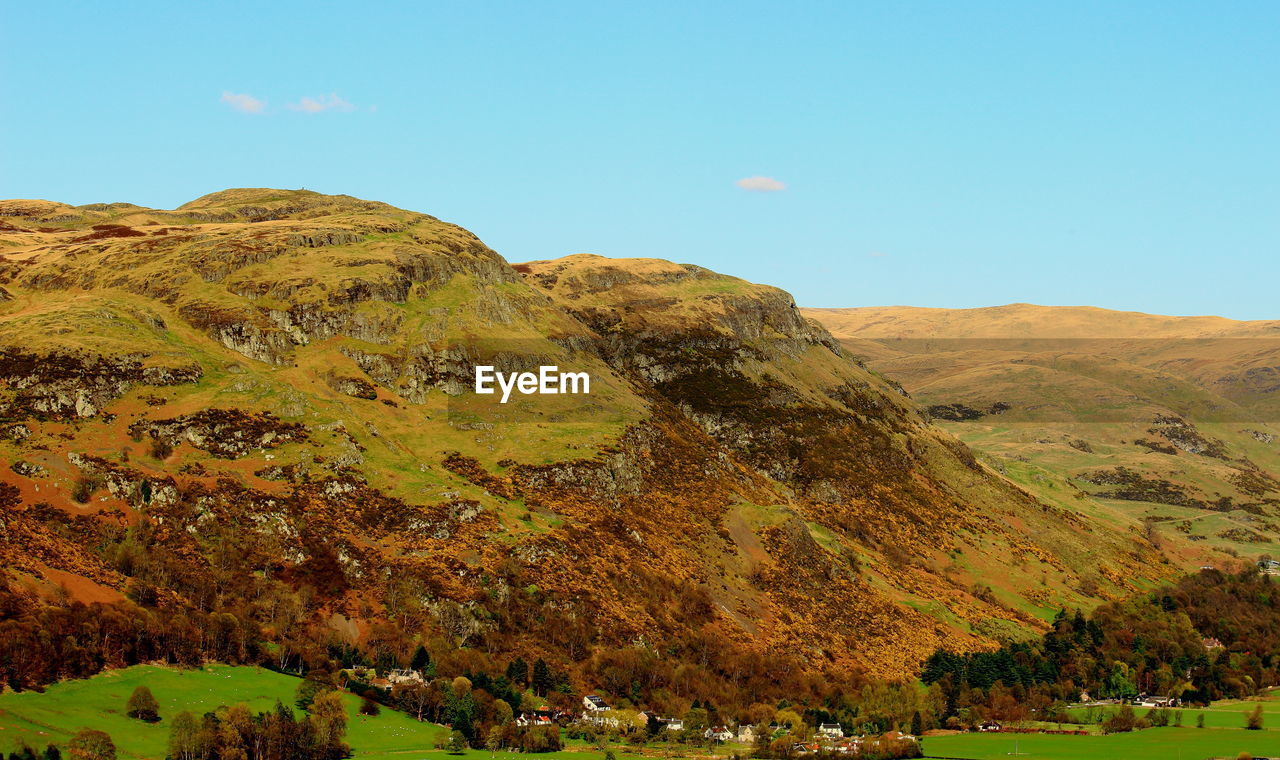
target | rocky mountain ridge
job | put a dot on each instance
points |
(261, 399)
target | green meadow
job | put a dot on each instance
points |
(1224, 735)
(1151, 744)
(54, 716)
(1225, 714)
(99, 702)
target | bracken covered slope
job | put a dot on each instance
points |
(267, 394)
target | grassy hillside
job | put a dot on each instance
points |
(99, 703)
(260, 403)
(1163, 425)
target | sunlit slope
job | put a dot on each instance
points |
(273, 391)
(1169, 419)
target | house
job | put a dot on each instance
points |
(851, 746)
(405, 676)
(1158, 702)
(671, 724)
(831, 731)
(989, 725)
(1269, 566)
(747, 733)
(594, 704)
(536, 718)
(718, 733)
(1212, 643)
(898, 736)
(801, 748)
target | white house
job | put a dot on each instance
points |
(747, 733)
(535, 718)
(594, 704)
(405, 676)
(831, 731)
(719, 733)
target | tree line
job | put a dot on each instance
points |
(1209, 636)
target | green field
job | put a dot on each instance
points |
(1151, 744)
(98, 702)
(1224, 714)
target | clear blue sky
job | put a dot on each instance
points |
(1124, 155)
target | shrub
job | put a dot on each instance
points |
(369, 707)
(161, 448)
(457, 743)
(1123, 720)
(83, 490)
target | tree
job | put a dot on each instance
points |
(518, 672)
(1253, 720)
(329, 719)
(457, 743)
(542, 682)
(143, 706)
(421, 659)
(184, 737)
(1200, 720)
(791, 719)
(502, 712)
(696, 719)
(493, 742)
(52, 752)
(307, 692)
(90, 744)
(369, 707)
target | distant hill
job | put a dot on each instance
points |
(1168, 420)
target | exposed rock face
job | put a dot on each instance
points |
(62, 386)
(225, 433)
(741, 361)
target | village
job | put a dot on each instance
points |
(597, 721)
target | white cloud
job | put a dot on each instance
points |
(243, 102)
(330, 102)
(761, 184)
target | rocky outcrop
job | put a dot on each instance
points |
(225, 433)
(62, 386)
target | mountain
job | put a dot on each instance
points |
(1169, 423)
(261, 404)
